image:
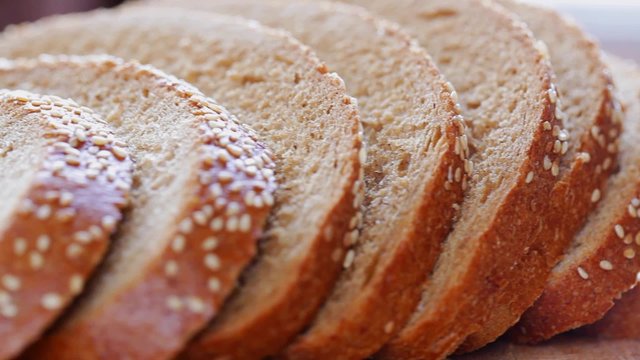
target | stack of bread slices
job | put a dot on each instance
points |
(249, 179)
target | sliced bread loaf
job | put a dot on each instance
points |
(602, 263)
(503, 78)
(414, 173)
(302, 112)
(190, 230)
(62, 191)
(584, 89)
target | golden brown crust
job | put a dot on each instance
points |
(438, 331)
(181, 288)
(60, 232)
(621, 322)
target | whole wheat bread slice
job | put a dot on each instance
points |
(414, 174)
(53, 197)
(584, 89)
(301, 111)
(503, 79)
(602, 263)
(171, 264)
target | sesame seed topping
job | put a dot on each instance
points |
(245, 223)
(73, 250)
(583, 273)
(119, 152)
(348, 260)
(36, 261)
(66, 198)
(214, 284)
(43, 242)
(171, 268)
(43, 212)
(186, 226)
(10, 282)
(178, 244)
(595, 196)
(555, 169)
(606, 265)
(225, 176)
(19, 246)
(216, 224)
(174, 303)
(546, 125)
(619, 231)
(108, 223)
(8, 310)
(232, 224)
(629, 253)
(76, 283)
(388, 328)
(99, 140)
(529, 177)
(212, 262)
(234, 150)
(200, 218)
(547, 163)
(628, 239)
(83, 237)
(195, 304)
(210, 243)
(51, 301)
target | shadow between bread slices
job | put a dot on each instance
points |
(65, 180)
(504, 82)
(302, 113)
(415, 171)
(170, 265)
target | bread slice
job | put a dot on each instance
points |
(621, 322)
(301, 111)
(503, 78)
(171, 264)
(54, 199)
(414, 174)
(584, 88)
(602, 262)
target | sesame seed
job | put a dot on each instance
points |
(595, 131)
(583, 273)
(606, 265)
(8, 310)
(529, 178)
(178, 244)
(595, 196)
(83, 237)
(36, 260)
(547, 163)
(186, 226)
(555, 169)
(553, 96)
(43, 212)
(210, 243)
(66, 198)
(629, 253)
(563, 135)
(174, 303)
(195, 304)
(565, 147)
(245, 223)
(171, 268)
(43, 242)
(216, 224)
(233, 209)
(234, 150)
(212, 262)
(628, 239)
(66, 214)
(99, 140)
(76, 283)
(214, 284)
(10, 282)
(232, 224)
(119, 152)
(225, 176)
(348, 260)
(546, 125)
(108, 223)
(51, 301)
(19, 246)
(267, 198)
(73, 250)
(72, 160)
(619, 231)
(635, 202)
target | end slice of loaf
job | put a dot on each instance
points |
(300, 110)
(503, 78)
(414, 173)
(62, 191)
(191, 228)
(586, 102)
(602, 263)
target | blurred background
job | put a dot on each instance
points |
(615, 23)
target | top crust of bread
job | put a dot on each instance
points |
(586, 100)
(602, 263)
(44, 258)
(301, 111)
(502, 76)
(171, 264)
(414, 173)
